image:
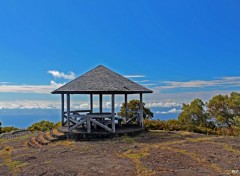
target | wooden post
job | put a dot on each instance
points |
(126, 106)
(91, 103)
(62, 97)
(88, 124)
(100, 103)
(113, 113)
(68, 111)
(141, 110)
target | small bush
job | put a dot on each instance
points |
(154, 124)
(170, 125)
(204, 130)
(175, 125)
(43, 126)
(229, 131)
(8, 129)
(58, 124)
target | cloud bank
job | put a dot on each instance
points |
(134, 76)
(30, 104)
(58, 74)
(222, 81)
(44, 89)
(41, 89)
(171, 111)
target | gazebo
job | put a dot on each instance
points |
(98, 81)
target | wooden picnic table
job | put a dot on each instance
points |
(102, 120)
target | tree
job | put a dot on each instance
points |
(134, 105)
(0, 127)
(194, 114)
(225, 109)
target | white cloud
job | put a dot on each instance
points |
(57, 74)
(222, 85)
(171, 111)
(142, 81)
(4, 83)
(134, 76)
(75, 104)
(35, 104)
(45, 89)
(222, 81)
(183, 97)
(147, 85)
(163, 104)
(30, 88)
(29, 104)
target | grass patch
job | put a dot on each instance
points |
(158, 131)
(48, 162)
(195, 157)
(135, 156)
(66, 143)
(184, 133)
(226, 147)
(128, 139)
(202, 139)
(13, 165)
(231, 149)
(16, 139)
(216, 168)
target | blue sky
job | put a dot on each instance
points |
(180, 49)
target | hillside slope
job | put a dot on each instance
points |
(151, 153)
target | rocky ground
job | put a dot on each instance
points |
(151, 153)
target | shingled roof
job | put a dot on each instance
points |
(101, 80)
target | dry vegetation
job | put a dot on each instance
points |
(151, 153)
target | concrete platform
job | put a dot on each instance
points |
(99, 133)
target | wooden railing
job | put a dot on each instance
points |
(78, 111)
(99, 119)
(136, 115)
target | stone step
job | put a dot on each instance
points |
(58, 132)
(33, 143)
(47, 136)
(55, 134)
(40, 139)
(30, 144)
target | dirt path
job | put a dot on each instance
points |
(152, 153)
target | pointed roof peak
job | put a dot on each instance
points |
(101, 80)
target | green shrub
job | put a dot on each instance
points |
(8, 129)
(43, 126)
(170, 125)
(58, 124)
(175, 125)
(204, 130)
(154, 124)
(229, 131)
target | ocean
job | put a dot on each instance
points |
(23, 118)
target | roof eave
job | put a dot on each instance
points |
(100, 92)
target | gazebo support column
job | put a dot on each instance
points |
(68, 112)
(62, 99)
(141, 110)
(100, 102)
(113, 113)
(126, 107)
(91, 103)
